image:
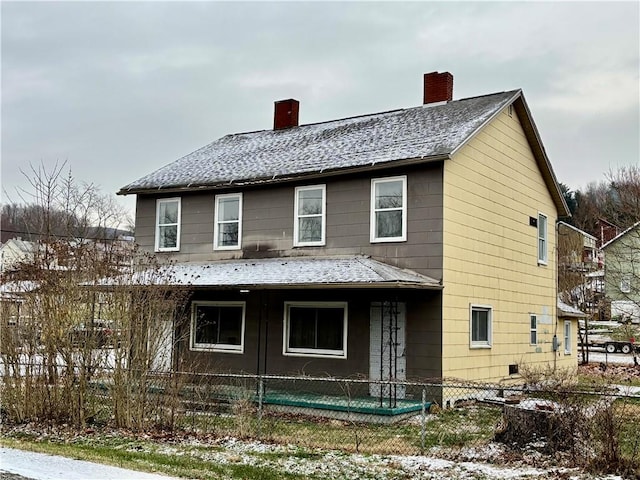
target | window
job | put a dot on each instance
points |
(227, 230)
(309, 227)
(625, 284)
(567, 336)
(317, 329)
(533, 330)
(542, 239)
(168, 225)
(217, 326)
(389, 209)
(480, 326)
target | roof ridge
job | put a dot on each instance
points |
(363, 115)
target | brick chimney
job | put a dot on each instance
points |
(438, 87)
(286, 114)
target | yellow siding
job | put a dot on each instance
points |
(491, 188)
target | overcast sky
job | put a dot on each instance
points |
(119, 89)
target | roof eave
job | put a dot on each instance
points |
(288, 286)
(286, 178)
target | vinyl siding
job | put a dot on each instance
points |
(268, 216)
(264, 323)
(491, 188)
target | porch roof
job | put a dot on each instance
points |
(294, 272)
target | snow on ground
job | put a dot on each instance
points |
(482, 462)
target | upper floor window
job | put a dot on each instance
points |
(309, 226)
(227, 229)
(218, 326)
(168, 224)
(316, 329)
(625, 284)
(542, 239)
(480, 326)
(389, 209)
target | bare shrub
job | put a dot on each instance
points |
(590, 423)
(87, 321)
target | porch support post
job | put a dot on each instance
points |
(423, 420)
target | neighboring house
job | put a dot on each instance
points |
(607, 230)
(414, 243)
(622, 274)
(14, 252)
(577, 250)
(578, 261)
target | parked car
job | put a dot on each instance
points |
(98, 334)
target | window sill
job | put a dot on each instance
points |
(198, 348)
(480, 347)
(340, 356)
(388, 240)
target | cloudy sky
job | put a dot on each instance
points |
(119, 89)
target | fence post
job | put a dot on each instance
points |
(423, 420)
(193, 409)
(260, 401)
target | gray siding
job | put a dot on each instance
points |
(268, 216)
(263, 342)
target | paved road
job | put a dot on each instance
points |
(599, 355)
(23, 465)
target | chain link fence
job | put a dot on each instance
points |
(589, 423)
(586, 423)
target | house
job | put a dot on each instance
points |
(14, 252)
(577, 249)
(622, 274)
(579, 260)
(414, 243)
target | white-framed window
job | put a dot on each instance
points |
(389, 209)
(168, 224)
(227, 228)
(316, 329)
(567, 336)
(217, 326)
(310, 217)
(542, 239)
(625, 284)
(533, 329)
(480, 326)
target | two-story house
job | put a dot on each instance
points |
(622, 274)
(413, 243)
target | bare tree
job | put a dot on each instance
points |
(86, 314)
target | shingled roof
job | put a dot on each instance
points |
(420, 134)
(290, 272)
(424, 132)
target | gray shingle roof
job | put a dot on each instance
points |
(290, 272)
(268, 155)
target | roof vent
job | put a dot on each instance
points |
(438, 87)
(286, 114)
